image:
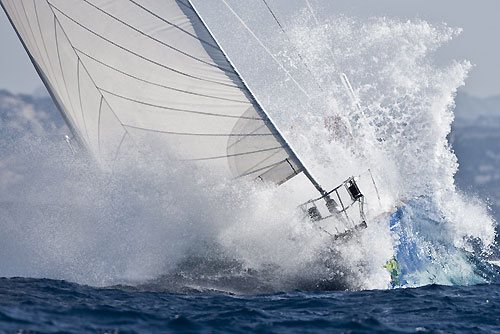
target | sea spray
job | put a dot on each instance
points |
(68, 220)
(407, 103)
(402, 134)
(157, 221)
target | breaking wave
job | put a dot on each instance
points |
(173, 227)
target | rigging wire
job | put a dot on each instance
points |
(304, 169)
(266, 49)
(343, 77)
(270, 124)
(354, 98)
(312, 12)
(291, 43)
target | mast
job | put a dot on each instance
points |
(262, 113)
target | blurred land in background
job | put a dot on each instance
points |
(475, 138)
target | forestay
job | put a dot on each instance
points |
(128, 73)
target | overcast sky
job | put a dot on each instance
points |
(478, 43)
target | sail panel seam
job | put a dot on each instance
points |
(80, 96)
(94, 83)
(61, 67)
(35, 45)
(25, 31)
(249, 170)
(99, 123)
(125, 134)
(241, 139)
(269, 167)
(140, 56)
(236, 154)
(45, 45)
(176, 109)
(38, 69)
(157, 40)
(174, 25)
(156, 84)
(197, 134)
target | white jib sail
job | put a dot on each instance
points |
(127, 73)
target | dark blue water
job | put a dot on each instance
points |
(46, 306)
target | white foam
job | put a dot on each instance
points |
(75, 224)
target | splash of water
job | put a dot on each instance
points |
(165, 224)
(401, 131)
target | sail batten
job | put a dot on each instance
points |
(149, 74)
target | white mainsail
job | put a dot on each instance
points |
(127, 72)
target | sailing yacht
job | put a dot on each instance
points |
(124, 73)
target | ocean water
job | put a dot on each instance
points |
(47, 306)
(163, 246)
